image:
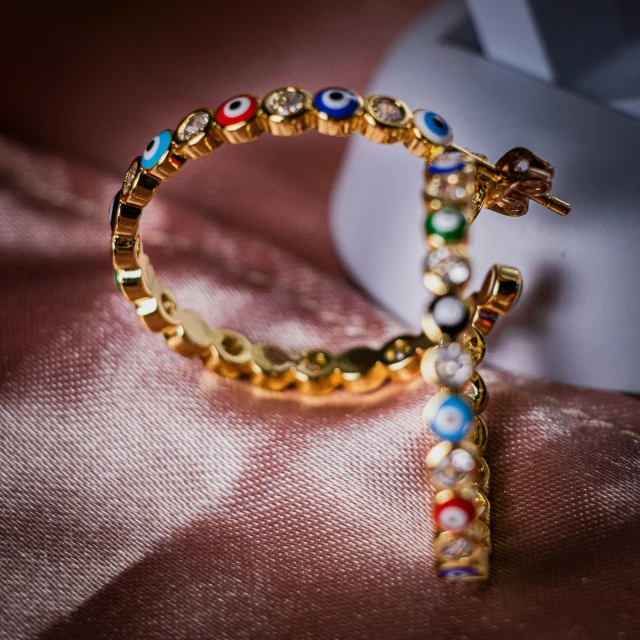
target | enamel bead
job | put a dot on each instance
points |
(433, 127)
(336, 103)
(239, 119)
(156, 150)
(160, 159)
(449, 314)
(450, 417)
(449, 162)
(236, 110)
(452, 573)
(455, 514)
(448, 224)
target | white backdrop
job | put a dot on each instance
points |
(576, 321)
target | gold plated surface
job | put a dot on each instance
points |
(381, 118)
(386, 120)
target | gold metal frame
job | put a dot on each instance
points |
(507, 187)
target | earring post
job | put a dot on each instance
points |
(489, 170)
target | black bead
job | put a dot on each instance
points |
(454, 325)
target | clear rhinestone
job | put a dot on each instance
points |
(456, 467)
(196, 124)
(449, 266)
(387, 110)
(456, 548)
(446, 189)
(129, 178)
(453, 365)
(285, 103)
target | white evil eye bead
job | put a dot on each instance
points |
(156, 150)
(454, 514)
(447, 163)
(336, 103)
(450, 417)
(453, 573)
(236, 110)
(433, 127)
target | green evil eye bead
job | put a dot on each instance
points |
(449, 224)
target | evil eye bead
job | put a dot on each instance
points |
(433, 127)
(288, 111)
(157, 149)
(336, 103)
(337, 111)
(445, 225)
(450, 417)
(158, 159)
(447, 316)
(447, 163)
(429, 134)
(458, 573)
(386, 120)
(453, 513)
(238, 119)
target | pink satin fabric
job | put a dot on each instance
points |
(142, 497)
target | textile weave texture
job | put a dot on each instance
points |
(141, 497)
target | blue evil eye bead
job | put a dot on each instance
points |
(336, 103)
(450, 417)
(446, 163)
(453, 573)
(156, 150)
(433, 127)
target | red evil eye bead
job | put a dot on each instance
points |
(455, 514)
(236, 110)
